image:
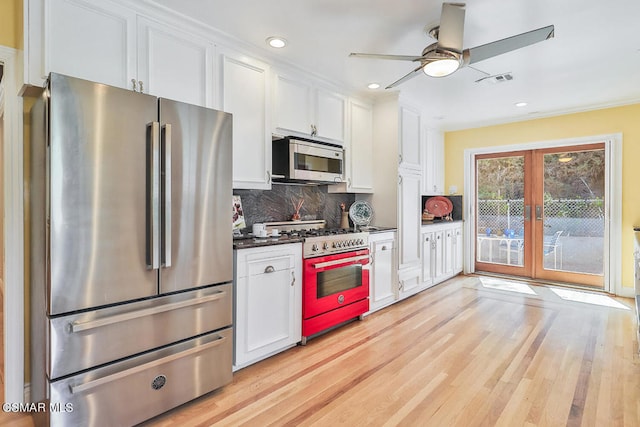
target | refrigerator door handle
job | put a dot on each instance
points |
(166, 190)
(153, 195)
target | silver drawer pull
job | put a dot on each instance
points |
(92, 324)
(269, 269)
(75, 389)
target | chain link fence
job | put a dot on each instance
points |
(574, 217)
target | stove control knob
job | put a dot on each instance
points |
(314, 247)
(335, 245)
(325, 246)
(361, 241)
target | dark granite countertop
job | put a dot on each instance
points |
(378, 229)
(245, 242)
(440, 221)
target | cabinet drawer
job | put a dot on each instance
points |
(384, 246)
(85, 340)
(136, 389)
(269, 265)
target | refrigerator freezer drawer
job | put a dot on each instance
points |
(136, 389)
(82, 341)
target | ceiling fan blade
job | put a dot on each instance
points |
(451, 29)
(381, 56)
(489, 50)
(405, 78)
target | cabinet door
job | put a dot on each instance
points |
(433, 170)
(409, 220)
(90, 40)
(245, 94)
(410, 131)
(384, 290)
(458, 250)
(448, 251)
(330, 109)
(292, 102)
(438, 256)
(360, 158)
(173, 64)
(268, 303)
(427, 258)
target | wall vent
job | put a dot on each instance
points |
(496, 78)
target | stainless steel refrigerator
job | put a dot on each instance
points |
(131, 253)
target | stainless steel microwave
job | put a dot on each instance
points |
(304, 161)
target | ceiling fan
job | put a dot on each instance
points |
(445, 56)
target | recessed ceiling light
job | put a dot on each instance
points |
(521, 104)
(277, 42)
(373, 85)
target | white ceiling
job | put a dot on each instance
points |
(593, 61)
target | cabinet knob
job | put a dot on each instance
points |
(293, 278)
(141, 87)
(384, 248)
(134, 85)
(314, 130)
(269, 269)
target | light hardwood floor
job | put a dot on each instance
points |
(457, 354)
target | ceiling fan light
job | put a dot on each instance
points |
(441, 67)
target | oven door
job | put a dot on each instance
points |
(334, 281)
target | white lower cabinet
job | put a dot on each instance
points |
(441, 252)
(383, 278)
(268, 301)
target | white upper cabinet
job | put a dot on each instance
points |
(245, 94)
(433, 163)
(174, 64)
(360, 177)
(292, 106)
(358, 150)
(304, 109)
(410, 133)
(87, 39)
(108, 43)
(330, 108)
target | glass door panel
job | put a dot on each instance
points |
(501, 224)
(570, 222)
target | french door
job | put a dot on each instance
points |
(541, 214)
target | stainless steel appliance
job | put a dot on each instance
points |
(306, 161)
(131, 254)
(335, 279)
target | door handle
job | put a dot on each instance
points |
(153, 195)
(527, 212)
(538, 213)
(166, 190)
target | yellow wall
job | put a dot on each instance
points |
(625, 120)
(11, 23)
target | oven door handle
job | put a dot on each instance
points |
(340, 261)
